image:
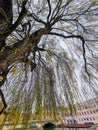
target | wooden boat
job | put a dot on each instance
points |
(77, 125)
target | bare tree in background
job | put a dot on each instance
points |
(34, 70)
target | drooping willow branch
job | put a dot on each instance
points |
(83, 46)
(4, 74)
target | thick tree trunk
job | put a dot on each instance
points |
(5, 15)
(6, 5)
(5, 18)
(16, 53)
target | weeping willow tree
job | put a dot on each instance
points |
(48, 57)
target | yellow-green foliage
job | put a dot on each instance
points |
(1, 78)
(2, 116)
(1, 105)
(14, 70)
(14, 115)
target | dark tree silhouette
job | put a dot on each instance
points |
(28, 31)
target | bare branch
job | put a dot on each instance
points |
(83, 46)
(49, 5)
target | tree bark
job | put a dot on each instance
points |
(16, 52)
(5, 15)
(5, 18)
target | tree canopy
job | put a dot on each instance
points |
(48, 55)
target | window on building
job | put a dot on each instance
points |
(87, 119)
(84, 119)
(79, 113)
(94, 111)
(90, 119)
(85, 113)
(90, 112)
(93, 118)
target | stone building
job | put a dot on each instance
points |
(87, 112)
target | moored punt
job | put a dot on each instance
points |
(77, 126)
